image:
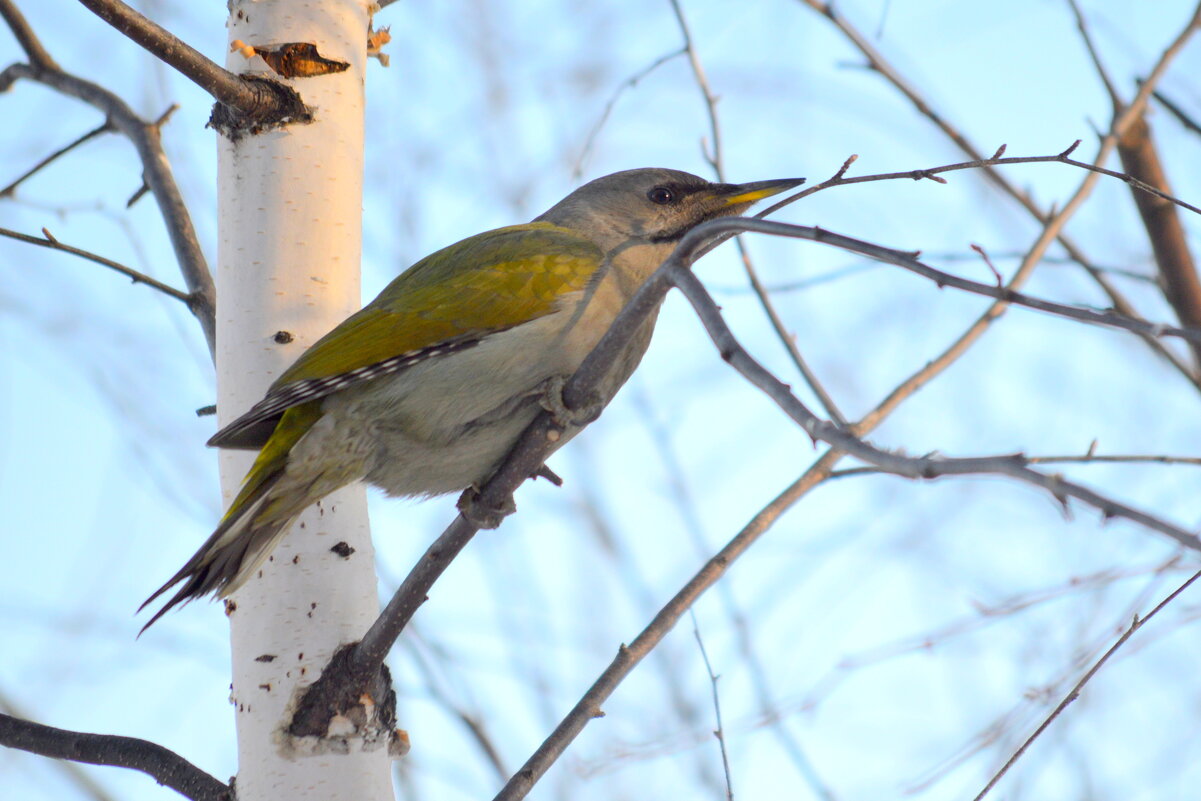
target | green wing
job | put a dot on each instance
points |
(449, 300)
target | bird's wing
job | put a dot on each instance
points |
(447, 302)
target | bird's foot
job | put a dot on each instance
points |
(564, 415)
(483, 515)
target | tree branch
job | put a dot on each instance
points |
(1165, 232)
(38, 55)
(588, 707)
(137, 277)
(997, 160)
(1140, 160)
(1013, 466)
(1074, 693)
(164, 766)
(534, 446)
(881, 65)
(62, 151)
(715, 157)
(156, 170)
(254, 98)
(629, 83)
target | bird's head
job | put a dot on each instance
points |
(654, 205)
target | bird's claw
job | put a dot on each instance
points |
(564, 415)
(484, 515)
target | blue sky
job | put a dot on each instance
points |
(481, 120)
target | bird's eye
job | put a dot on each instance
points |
(661, 195)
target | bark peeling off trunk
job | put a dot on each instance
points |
(329, 717)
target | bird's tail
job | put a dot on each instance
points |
(254, 523)
(245, 537)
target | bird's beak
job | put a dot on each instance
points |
(746, 194)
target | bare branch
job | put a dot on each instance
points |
(1176, 111)
(881, 65)
(254, 98)
(38, 56)
(156, 170)
(1072, 695)
(137, 277)
(557, 742)
(1165, 232)
(749, 658)
(164, 766)
(932, 173)
(628, 83)
(714, 154)
(62, 151)
(909, 262)
(1082, 24)
(719, 732)
(588, 707)
(74, 772)
(1140, 160)
(411, 594)
(531, 449)
(1013, 466)
(715, 157)
(628, 657)
(1084, 458)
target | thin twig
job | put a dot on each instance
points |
(645, 299)
(628, 657)
(1114, 98)
(878, 63)
(62, 151)
(941, 279)
(1001, 729)
(1013, 466)
(531, 448)
(137, 277)
(156, 169)
(1076, 459)
(164, 766)
(628, 83)
(839, 178)
(984, 615)
(1165, 233)
(593, 508)
(720, 731)
(1176, 111)
(1072, 695)
(471, 721)
(715, 157)
(1165, 230)
(751, 659)
(1052, 228)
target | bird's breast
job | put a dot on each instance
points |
(444, 424)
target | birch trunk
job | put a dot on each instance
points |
(290, 217)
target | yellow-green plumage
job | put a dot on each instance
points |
(485, 283)
(427, 388)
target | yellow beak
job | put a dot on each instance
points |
(750, 193)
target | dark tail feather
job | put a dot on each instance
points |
(219, 566)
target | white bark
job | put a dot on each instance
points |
(290, 237)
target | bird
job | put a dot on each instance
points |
(425, 390)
